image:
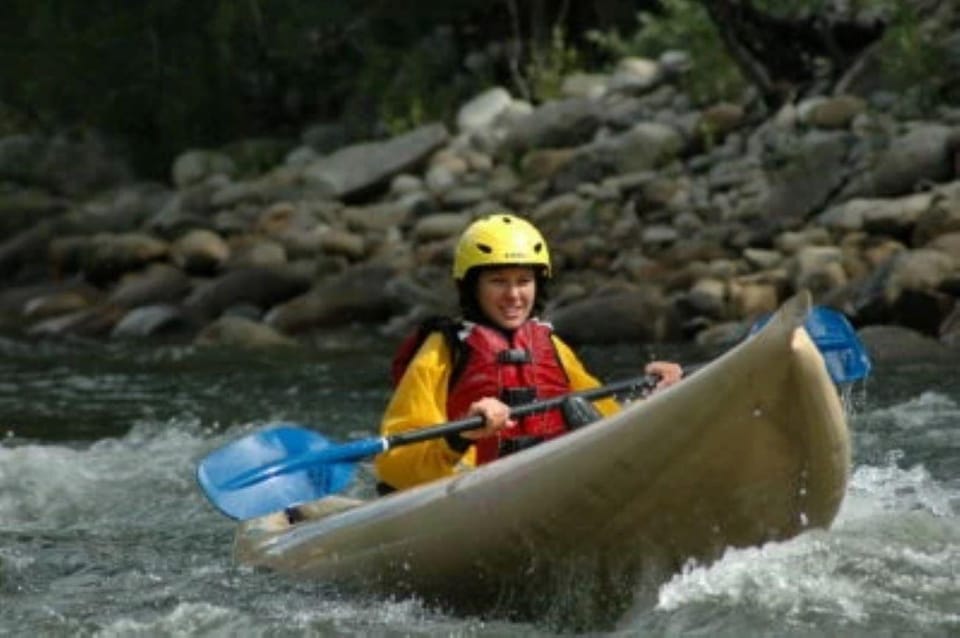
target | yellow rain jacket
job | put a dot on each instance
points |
(420, 401)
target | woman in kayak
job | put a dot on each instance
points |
(496, 356)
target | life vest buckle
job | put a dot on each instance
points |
(514, 356)
(518, 396)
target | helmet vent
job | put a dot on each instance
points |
(537, 247)
(485, 249)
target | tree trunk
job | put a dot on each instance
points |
(789, 56)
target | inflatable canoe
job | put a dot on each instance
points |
(751, 448)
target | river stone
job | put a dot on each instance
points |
(200, 252)
(762, 259)
(159, 283)
(716, 121)
(405, 183)
(645, 146)
(440, 226)
(706, 298)
(357, 294)
(555, 124)
(335, 241)
(635, 75)
(108, 256)
(919, 156)
(897, 344)
(809, 172)
(922, 269)
(817, 269)
(23, 255)
(173, 219)
(22, 208)
(87, 322)
(584, 85)
(460, 197)
(628, 317)
(376, 217)
(151, 320)
(544, 163)
(282, 218)
(440, 178)
(248, 251)
(942, 217)
(833, 112)
(242, 332)
(356, 169)
(481, 111)
(194, 166)
(950, 328)
(263, 287)
(752, 299)
(55, 304)
(948, 243)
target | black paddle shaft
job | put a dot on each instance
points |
(645, 382)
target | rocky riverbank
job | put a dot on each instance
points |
(666, 222)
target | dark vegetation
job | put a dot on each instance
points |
(159, 77)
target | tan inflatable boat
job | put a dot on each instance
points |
(751, 448)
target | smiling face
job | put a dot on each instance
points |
(506, 295)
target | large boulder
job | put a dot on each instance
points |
(242, 332)
(359, 294)
(260, 287)
(358, 169)
(159, 283)
(636, 316)
(897, 344)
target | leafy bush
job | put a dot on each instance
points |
(683, 25)
(549, 65)
(912, 54)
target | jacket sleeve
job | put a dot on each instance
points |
(420, 401)
(580, 379)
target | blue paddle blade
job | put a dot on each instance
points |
(271, 470)
(843, 352)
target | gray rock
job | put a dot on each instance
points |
(560, 124)
(358, 168)
(151, 321)
(482, 110)
(159, 283)
(242, 332)
(359, 294)
(200, 252)
(195, 166)
(921, 155)
(262, 287)
(636, 316)
(92, 322)
(897, 344)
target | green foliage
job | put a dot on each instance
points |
(165, 76)
(684, 25)
(550, 64)
(420, 84)
(912, 54)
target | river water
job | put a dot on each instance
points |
(103, 531)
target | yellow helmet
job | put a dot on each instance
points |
(498, 240)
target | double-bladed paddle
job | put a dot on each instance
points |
(285, 465)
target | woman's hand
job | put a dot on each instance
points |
(496, 416)
(667, 371)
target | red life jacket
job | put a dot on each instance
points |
(520, 370)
